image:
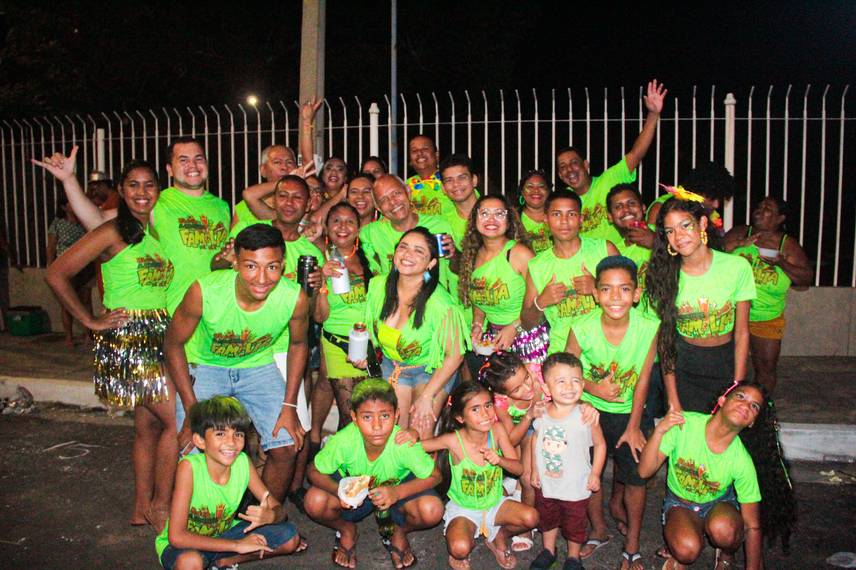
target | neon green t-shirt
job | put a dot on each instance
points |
(539, 234)
(428, 197)
(345, 453)
(459, 224)
(346, 309)
(542, 269)
(191, 231)
(213, 507)
(497, 289)
(661, 199)
(379, 239)
(641, 256)
(233, 233)
(475, 487)
(245, 218)
(137, 277)
(425, 346)
(699, 475)
(707, 304)
(230, 337)
(625, 360)
(595, 223)
(771, 284)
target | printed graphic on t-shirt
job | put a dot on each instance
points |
(425, 205)
(205, 523)
(200, 234)
(592, 217)
(554, 443)
(407, 351)
(641, 272)
(694, 479)
(763, 272)
(574, 305)
(488, 296)
(154, 271)
(422, 203)
(357, 294)
(540, 240)
(626, 379)
(705, 319)
(232, 345)
(474, 484)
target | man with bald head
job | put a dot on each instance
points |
(379, 239)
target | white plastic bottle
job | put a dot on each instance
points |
(358, 343)
(342, 283)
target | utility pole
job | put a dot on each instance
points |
(312, 63)
(393, 89)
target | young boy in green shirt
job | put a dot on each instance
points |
(617, 344)
(203, 528)
(403, 478)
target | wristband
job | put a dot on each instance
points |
(535, 302)
(290, 405)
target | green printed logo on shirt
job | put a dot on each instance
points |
(626, 379)
(694, 479)
(231, 345)
(203, 522)
(593, 217)
(574, 305)
(705, 319)
(407, 351)
(474, 484)
(482, 294)
(763, 272)
(154, 271)
(357, 294)
(200, 234)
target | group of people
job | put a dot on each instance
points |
(514, 346)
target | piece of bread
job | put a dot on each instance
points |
(357, 485)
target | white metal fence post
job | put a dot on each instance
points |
(730, 119)
(100, 150)
(374, 129)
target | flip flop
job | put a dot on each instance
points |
(726, 564)
(521, 543)
(349, 552)
(596, 543)
(456, 564)
(632, 560)
(395, 551)
(507, 555)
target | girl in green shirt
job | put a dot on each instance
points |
(129, 363)
(778, 263)
(534, 190)
(339, 312)
(478, 450)
(419, 328)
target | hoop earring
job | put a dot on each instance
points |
(521, 200)
(671, 251)
(704, 237)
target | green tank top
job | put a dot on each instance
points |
(240, 226)
(213, 507)
(624, 360)
(137, 277)
(346, 309)
(497, 289)
(515, 413)
(191, 230)
(245, 218)
(562, 315)
(538, 232)
(230, 337)
(771, 283)
(475, 487)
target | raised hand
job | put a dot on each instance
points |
(584, 284)
(59, 165)
(308, 110)
(553, 293)
(672, 418)
(655, 97)
(227, 254)
(259, 515)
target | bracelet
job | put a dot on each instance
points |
(290, 405)
(535, 301)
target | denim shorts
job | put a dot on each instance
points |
(413, 377)
(671, 501)
(261, 390)
(395, 513)
(276, 535)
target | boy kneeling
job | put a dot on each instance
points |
(202, 528)
(403, 478)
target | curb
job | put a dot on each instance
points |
(801, 442)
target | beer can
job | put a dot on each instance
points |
(441, 251)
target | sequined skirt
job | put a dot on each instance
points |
(531, 346)
(129, 361)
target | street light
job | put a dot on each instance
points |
(252, 100)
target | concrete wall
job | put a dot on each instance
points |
(821, 321)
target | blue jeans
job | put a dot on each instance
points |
(261, 390)
(275, 534)
(671, 501)
(395, 513)
(413, 377)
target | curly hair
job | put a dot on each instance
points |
(472, 243)
(499, 367)
(711, 180)
(761, 440)
(662, 279)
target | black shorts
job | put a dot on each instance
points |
(613, 426)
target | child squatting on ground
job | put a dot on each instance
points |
(563, 475)
(203, 527)
(402, 478)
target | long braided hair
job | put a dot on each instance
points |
(473, 241)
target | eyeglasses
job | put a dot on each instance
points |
(497, 213)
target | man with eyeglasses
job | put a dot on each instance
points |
(574, 171)
(459, 184)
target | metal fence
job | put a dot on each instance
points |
(788, 142)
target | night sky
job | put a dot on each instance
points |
(77, 56)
